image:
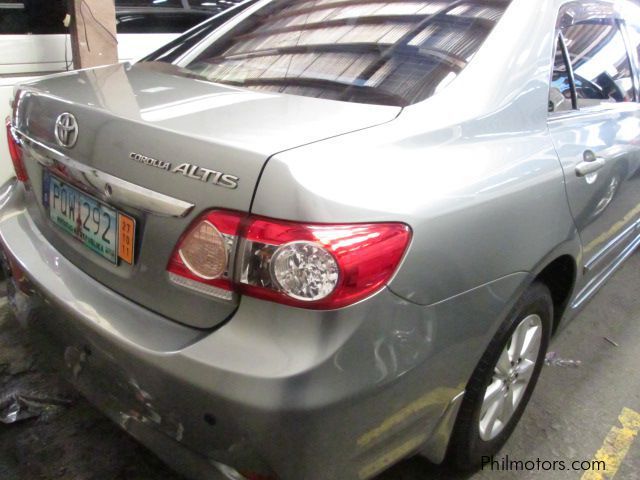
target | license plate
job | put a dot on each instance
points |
(101, 228)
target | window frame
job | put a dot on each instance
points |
(633, 54)
(607, 13)
(561, 43)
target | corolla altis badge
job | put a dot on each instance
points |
(66, 130)
(189, 170)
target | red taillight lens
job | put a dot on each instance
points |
(257, 476)
(319, 266)
(15, 150)
(304, 265)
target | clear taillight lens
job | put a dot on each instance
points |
(204, 251)
(15, 151)
(304, 265)
(305, 271)
(202, 259)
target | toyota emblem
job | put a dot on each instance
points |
(66, 130)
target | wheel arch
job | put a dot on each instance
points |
(560, 278)
(560, 271)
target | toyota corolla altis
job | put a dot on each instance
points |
(329, 234)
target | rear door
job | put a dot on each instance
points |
(594, 120)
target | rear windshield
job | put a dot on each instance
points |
(381, 52)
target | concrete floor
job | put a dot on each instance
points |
(571, 412)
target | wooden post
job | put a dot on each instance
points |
(93, 32)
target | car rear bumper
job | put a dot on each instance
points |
(308, 395)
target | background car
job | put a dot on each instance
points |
(34, 41)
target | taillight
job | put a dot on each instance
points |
(202, 258)
(305, 265)
(256, 476)
(15, 151)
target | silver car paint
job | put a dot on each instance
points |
(473, 182)
(342, 394)
(274, 378)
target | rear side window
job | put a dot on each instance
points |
(166, 16)
(633, 30)
(380, 52)
(214, 6)
(36, 17)
(150, 3)
(158, 22)
(592, 65)
(183, 44)
(601, 66)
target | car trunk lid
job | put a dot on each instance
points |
(162, 148)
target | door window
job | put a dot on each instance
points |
(148, 21)
(166, 16)
(601, 68)
(561, 91)
(633, 30)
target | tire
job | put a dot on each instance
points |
(474, 436)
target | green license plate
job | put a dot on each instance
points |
(88, 220)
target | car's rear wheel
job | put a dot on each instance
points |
(503, 381)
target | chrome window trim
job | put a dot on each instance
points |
(608, 11)
(595, 111)
(632, 56)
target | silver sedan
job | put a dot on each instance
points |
(328, 234)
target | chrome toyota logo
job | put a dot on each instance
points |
(66, 130)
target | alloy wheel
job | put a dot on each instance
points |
(512, 374)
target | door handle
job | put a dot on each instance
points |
(591, 164)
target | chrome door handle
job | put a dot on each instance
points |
(585, 168)
(591, 164)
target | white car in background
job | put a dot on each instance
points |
(35, 42)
